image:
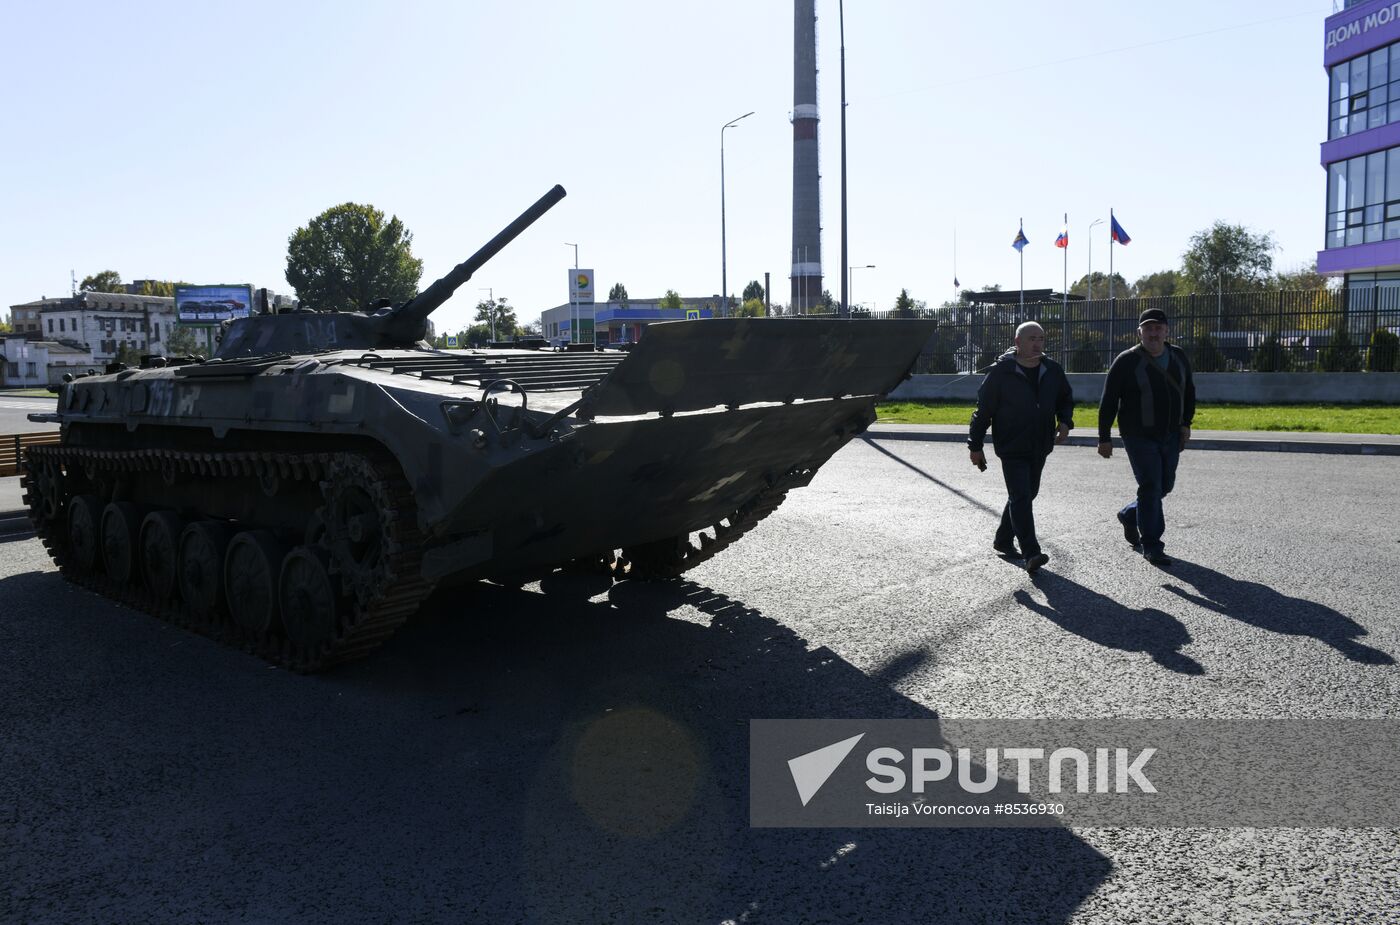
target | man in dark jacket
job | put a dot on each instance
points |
(1022, 397)
(1151, 392)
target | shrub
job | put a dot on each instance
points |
(987, 357)
(942, 362)
(1385, 347)
(1205, 355)
(1271, 356)
(1341, 355)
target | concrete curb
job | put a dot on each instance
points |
(1244, 441)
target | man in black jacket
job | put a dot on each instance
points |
(1022, 397)
(1150, 390)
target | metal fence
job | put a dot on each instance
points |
(1326, 330)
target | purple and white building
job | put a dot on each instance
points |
(1361, 52)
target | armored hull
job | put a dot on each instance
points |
(300, 494)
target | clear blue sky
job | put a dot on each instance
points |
(188, 140)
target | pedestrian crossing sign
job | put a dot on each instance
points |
(692, 314)
(451, 340)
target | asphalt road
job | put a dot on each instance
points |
(15, 410)
(574, 753)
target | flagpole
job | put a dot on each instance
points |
(1110, 254)
(1064, 308)
(1108, 355)
(1021, 227)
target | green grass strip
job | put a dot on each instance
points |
(1317, 418)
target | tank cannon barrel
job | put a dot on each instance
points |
(408, 322)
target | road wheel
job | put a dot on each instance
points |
(121, 529)
(160, 544)
(200, 567)
(251, 569)
(308, 599)
(84, 516)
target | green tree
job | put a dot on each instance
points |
(126, 353)
(349, 256)
(1121, 289)
(106, 281)
(754, 290)
(1230, 257)
(828, 304)
(160, 287)
(671, 299)
(1305, 277)
(1154, 285)
(1385, 350)
(904, 304)
(1088, 354)
(180, 341)
(1205, 353)
(1341, 355)
(941, 350)
(498, 313)
(618, 294)
(1271, 356)
(5, 327)
(751, 308)
(987, 357)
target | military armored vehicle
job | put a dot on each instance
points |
(300, 493)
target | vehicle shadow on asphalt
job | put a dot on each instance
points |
(633, 783)
(509, 756)
(1262, 606)
(1102, 620)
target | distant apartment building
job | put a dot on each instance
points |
(101, 323)
(37, 363)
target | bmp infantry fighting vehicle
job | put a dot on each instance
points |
(303, 491)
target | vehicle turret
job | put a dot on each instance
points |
(386, 328)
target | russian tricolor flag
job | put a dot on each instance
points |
(1063, 239)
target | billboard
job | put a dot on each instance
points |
(212, 304)
(580, 286)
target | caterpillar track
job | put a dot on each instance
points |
(669, 558)
(371, 583)
(339, 590)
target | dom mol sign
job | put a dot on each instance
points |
(1382, 17)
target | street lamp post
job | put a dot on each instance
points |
(573, 303)
(1090, 277)
(723, 251)
(850, 285)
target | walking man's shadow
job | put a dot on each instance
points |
(1259, 605)
(1102, 620)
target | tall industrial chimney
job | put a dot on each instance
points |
(806, 179)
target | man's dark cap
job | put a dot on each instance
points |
(1152, 314)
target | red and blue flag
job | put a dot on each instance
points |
(1116, 231)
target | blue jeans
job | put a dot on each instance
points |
(1022, 475)
(1154, 466)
